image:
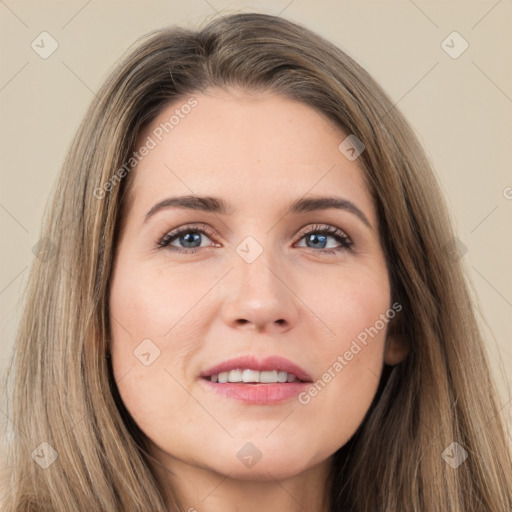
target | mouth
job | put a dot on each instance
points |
(264, 382)
(250, 370)
(248, 376)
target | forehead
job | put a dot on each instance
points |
(246, 147)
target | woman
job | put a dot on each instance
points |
(243, 298)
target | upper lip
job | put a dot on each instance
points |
(267, 364)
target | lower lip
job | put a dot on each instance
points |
(261, 394)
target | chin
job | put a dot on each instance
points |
(271, 466)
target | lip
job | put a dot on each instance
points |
(267, 364)
(257, 394)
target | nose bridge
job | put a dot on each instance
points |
(256, 268)
(257, 290)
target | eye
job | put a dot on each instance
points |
(189, 236)
(317, 236)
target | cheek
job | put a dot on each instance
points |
(147, 302)
(153, 304)
(355, 307)
(349, 304)
(143, 309)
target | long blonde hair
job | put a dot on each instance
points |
(64, 393)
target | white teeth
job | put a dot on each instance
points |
(235, 376)
(265, 377)
(251, 376)
(281, 376)
(268, 376)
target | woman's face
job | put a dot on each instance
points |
(253, 275)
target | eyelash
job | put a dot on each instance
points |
(322, 229)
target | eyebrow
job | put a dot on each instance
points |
(218, 205)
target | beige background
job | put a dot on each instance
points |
(461, 108)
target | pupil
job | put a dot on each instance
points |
(187, 238)
(315, 238)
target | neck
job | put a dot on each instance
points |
(201, 489)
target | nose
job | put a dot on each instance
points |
(259, 296)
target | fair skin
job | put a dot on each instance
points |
(259, 152)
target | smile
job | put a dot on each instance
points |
(253, 376)
(270, 381)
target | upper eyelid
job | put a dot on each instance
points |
(321, 227)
